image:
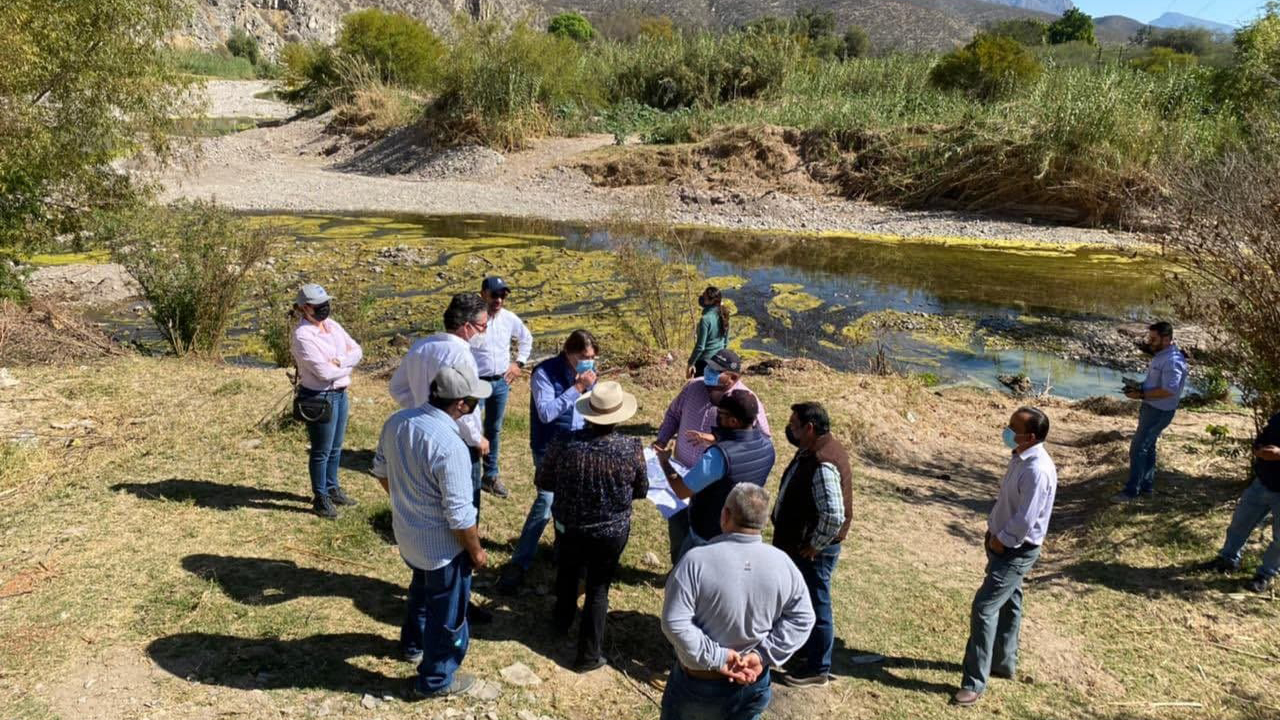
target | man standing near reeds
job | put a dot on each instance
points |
(493, 361)
(810, 522)
(1016, 529)
(425, 467)
(733, 610)
(1160, 392)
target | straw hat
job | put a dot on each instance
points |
(607, 404)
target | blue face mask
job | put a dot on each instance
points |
(585, 366)
(711, 378)
(1010, 438)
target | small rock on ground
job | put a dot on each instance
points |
(520, 674)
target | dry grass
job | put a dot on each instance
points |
(168, 566)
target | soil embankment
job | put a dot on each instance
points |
(738, 184)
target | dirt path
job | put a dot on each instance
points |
(291, 168)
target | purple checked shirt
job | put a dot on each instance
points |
(1022, 510)
(692, 410)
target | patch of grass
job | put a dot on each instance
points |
(219, 64)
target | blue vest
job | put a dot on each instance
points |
(562, 377)
(748, 457)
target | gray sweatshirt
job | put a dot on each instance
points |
(736, 594)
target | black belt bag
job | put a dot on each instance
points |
(312, 408)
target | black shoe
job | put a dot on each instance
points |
(511, 580)
(414, 657)
(1258, 584)
(462, 682)
(798, 681)
(323, 507)
(1217, 565)
(477, 615)
(494, 487)
(1003, 675)
(341, 498)
(586, 666)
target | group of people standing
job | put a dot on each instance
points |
(739, 614)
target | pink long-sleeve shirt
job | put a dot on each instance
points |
(692, 410)
(325, 355)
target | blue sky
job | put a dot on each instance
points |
(1232, 12)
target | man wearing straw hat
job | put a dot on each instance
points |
(595, 475)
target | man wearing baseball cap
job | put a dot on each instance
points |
(425, 467)
(492, 352)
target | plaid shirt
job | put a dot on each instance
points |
(827, 497)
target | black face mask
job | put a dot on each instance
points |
(791, 437)
(321, 312)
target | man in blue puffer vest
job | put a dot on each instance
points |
(741, 453)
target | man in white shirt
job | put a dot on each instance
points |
(495, 366)
(465, 320)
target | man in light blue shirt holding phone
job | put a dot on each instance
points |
(1160, 392)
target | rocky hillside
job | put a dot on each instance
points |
(275, 22)
(1057, 7)
(897, 24)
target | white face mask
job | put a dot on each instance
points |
(477, 341)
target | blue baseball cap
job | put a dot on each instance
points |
(494, 284)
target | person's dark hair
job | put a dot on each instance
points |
(712, 297)
(1163, 329)
(438, 402)
(812, 413)
(1037, 422)
(464, 308)
(579, 340)
(741, 405)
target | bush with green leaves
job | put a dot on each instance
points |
(500, 86)
(1073, 26)
(1187, 41)
(242, 44)
(855, 43)
(1253, 81)
(402, 48)
(989, 68)
(1027, 31)
(572, 26)
(191, 260)
(1163, 60)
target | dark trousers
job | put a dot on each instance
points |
(475, 479)
(435, 623)
(495, 409)
(598, 558)
(815, 657)
(326, 438)
(688, 698)
(996, 617)
(677, 533)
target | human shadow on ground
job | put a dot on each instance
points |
(319, 662)
(217, 496)
(360, 461)
(891, 670)
(268, 581)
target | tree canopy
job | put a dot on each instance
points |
(1073, 26)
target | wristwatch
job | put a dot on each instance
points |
(520, 364)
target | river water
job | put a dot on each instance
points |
(795, 296)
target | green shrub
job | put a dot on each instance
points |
(1073, 26)
(1187, 41)
(702, 69)
(990, 67)
(219, 64)
(855, 43)
(191, 259)
(1162, 60)
(309, 72)
(403, 49)
(1252, 81)
(13, 280)
(243, 45)
(1027, 31)
(572, 26)
(501, 86)
(1214, 385)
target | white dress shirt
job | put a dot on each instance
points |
(1022, 511)
(411, 384)
(493, 354)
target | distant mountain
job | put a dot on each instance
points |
(1115, 28)
(1054, 7)
(1173, 20)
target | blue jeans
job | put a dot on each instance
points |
(534, 523)
(691, 541)
(495, 408)
(326, 442)
(1142, 451)
(677, 533)
(815, 657)
(689, 698)
(1252, 509)
(435, 622)
(996, 618)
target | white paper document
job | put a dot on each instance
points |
(660, 492)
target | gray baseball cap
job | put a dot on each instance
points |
(460, 381)
(312, 294)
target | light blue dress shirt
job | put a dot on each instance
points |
(709, 468)
(1022, 510)
(428, 469)
(1168, 371)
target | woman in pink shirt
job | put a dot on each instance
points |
(325, 356)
